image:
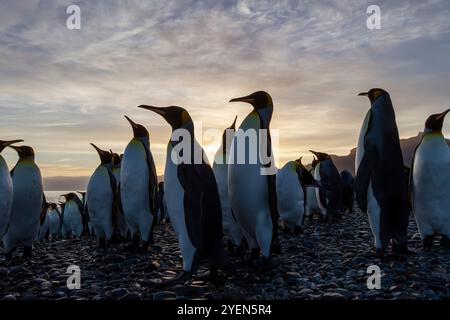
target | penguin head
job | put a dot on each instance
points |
(320, 156)
(373, 94)
(435, 122)
(259, 100)
(116, 158)
(24, 151)
(306, 179)
(177, 117)
(69, 196)
(314, 162)
(139, 130)
(4, 144)
(83, 193)
(105, 156)
(227, 136)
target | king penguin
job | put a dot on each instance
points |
(292, 181)
(26, 207)
(191, 196)
(231, 229)
(329, 195)
(430, 183)
(348, 190)
(100, 197)
(44, 224)
(381, 188)
(73, 215)
(54, 217)
(252, 178)
(6, 189)
(122, 227)
(138, 187)
(312, 206)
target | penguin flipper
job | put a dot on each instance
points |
(362, 182)
(203, 212)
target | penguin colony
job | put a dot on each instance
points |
(231, 200)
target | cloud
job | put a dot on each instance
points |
(61, 89)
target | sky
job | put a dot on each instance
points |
(61, 89)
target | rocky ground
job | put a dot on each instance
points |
(327, 261)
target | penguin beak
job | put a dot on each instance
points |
(133, 124)
(314, 153)
(442, 115)
(363, 94)
(247, 99)
(4, 144)
(233, 125)
(158, 110)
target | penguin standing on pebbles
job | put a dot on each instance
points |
(122, 227)
(292, 181)
(6, 189)
(26, 207)
(381, 188)
(73, 215)
(312, 206)
(430, 183)
(231, 228)
(138, 187)
(191, 196)
(252, 178)
(329, 195)
(54, 218)
(100, 197)
(348, 190)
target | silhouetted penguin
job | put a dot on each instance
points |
(139, 184)
(54, 217)
(100, 197)
(85, 215)
(348, 190)
(121, 230)
(329, 195)
(44, 224)
(381, 188)
(252, 178)
(162, 212)
(292, 181)
(430, 183)
(191, 196)
(73, 215)
(231, 228)
(312, 206)
(6, 189)
(23, 226)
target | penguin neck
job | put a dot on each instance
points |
(435, 135)
(144, 140)
(26, 159)
(265, 114)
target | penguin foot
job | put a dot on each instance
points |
(180, 279)
(445, 242)
(254, 254)
(134, 245)
(102, 243)
(144, 248)
(380, 253)
(298, 230)
(427, 242)
(400, 250)
(276, 247)
(27, 252)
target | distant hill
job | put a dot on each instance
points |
(69, 183)
(342, 162)
(408, 146)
